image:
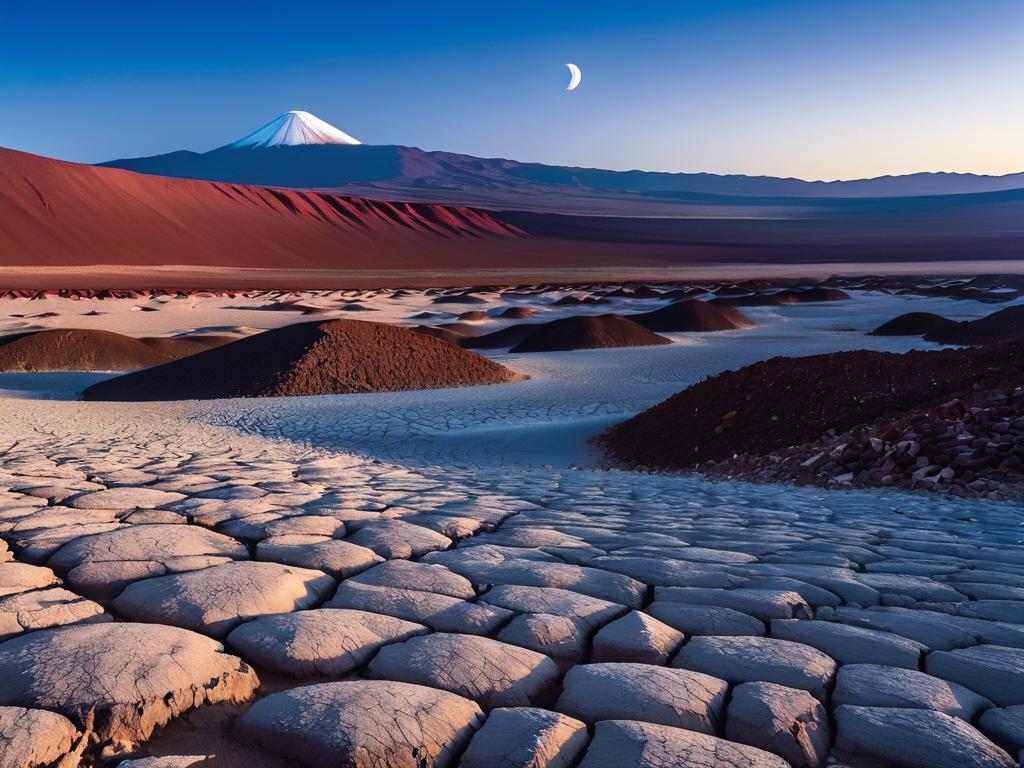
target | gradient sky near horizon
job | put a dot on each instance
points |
(818, 89)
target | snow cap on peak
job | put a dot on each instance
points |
(291, 129)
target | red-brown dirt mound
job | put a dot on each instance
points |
(1004, 325)
(518, 313)
(692, 316)
(913, 324)
(319, 358)
(808, 295)
(175, 347)
(72, 349)
(588, 332)
(787, 401)
(500, 339)
(755, 300)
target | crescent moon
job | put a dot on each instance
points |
(576, 77)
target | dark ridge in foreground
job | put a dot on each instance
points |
(693, 317)
(588, 332)
(1002, 326)
(787, 401)
(318, 358)
(913, 324)
(74, 349)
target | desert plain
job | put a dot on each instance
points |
(468, 576)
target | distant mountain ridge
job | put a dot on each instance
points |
(408, 173)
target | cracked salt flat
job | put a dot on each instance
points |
(579, 546)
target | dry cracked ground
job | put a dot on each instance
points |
(178, 594)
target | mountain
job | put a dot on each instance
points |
(407, 173)
(59, 214)
(293, 129)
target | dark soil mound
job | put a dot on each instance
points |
(451, 337)
(787, 401)
(462, 329)
(459, 298)
(603, 331)
(474, 314)
(318, 358)
(1004, 325)
(809, 295)
(517, 313)
(73, 349)
(755, 300)
(913, 324)
(573, 300)
(286, 306)
(176, 347)
(692, 316)
(502, 339)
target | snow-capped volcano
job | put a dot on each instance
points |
(292, 129)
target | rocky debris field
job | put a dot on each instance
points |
(178, 594)
(951, 420)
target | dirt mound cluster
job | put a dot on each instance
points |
(782, 402)
(588, 332)
(913, 324)
(692, 316)
(1006, 325)
(318, 358)
(73, 349)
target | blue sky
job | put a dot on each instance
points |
(808, 88)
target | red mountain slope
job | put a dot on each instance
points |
(54, 213)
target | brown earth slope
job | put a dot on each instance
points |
(73, 349)
(694, 317)
(913, 324)
(788, 401)
(1002, 326)
(588, 332)
(318, 358)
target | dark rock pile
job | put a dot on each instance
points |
(970, 445)
(949, 421)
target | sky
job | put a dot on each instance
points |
(816, 89)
